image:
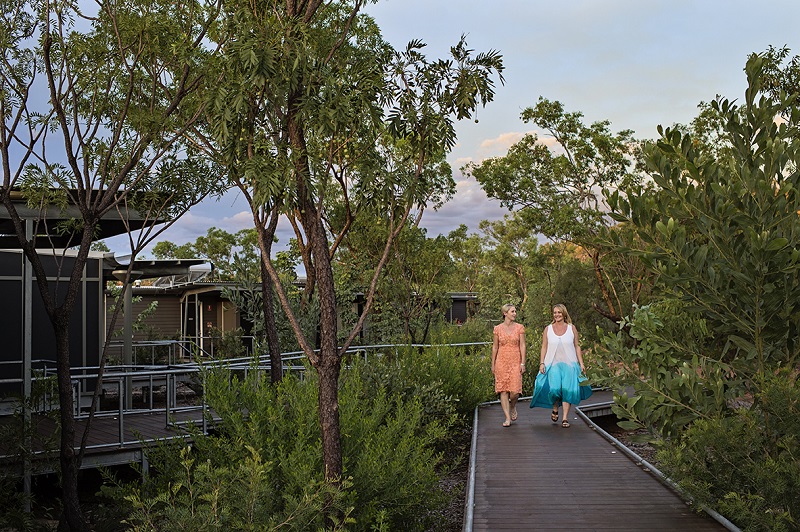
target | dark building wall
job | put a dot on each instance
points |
(11, 319)
(85, 334)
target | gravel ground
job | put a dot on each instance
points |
(630, 438)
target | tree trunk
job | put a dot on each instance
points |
(611, 313)
(329, 358)
(329, 370)
(270, 327)
(329, 364)
(72, 517)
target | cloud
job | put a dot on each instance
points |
(469, 206)
(502, 142)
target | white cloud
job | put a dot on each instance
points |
(502, 142)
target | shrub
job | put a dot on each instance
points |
(746, 465)
(263, 468)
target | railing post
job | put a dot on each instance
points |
(121, 424)
(205, 421)
(166, 398)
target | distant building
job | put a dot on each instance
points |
(463, 305)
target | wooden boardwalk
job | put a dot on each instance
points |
(536, 475)
(109, 442)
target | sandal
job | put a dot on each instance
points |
(506, 423)
(554, 416)
(514, 415)
(565, 424)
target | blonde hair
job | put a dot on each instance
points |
(505, 308)
(564, 313)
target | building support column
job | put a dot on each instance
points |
(27, 362)
(127, 328)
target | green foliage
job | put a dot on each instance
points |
(226, 251)
(512, 250)
(227, 344)
(557, 190)
(724, 234)
(452, 379)
(12, 503)
(411, 295)
(781, 73)
(713, 362)
(263, 468)
(661, 355)
(746, 465)
(472, 330)
(213, 495)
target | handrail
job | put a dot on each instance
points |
(119, 377)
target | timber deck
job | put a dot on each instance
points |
(110, 442)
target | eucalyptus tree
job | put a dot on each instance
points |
(516, 264)
(558, 190)
(94, 109)
(219, 246)
(299, 119)
(781, 72)
(467, 254)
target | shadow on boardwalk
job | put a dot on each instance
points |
(536, 475)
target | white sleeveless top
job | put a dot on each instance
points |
(560, 348)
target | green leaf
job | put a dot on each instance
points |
(777, 243)
(629, 425)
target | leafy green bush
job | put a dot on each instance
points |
(663, 355)
(263, 468)
(450, 379)
(747, 466)
(472, 330)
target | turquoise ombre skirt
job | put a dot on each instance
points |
(559, 383)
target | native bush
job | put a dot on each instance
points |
(262, 469)
(665, 356)
(747, 465)
(451, 379)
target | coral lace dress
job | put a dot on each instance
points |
(507, 374)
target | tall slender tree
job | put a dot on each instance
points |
(299, 120)
(94, 108)
(559, 190)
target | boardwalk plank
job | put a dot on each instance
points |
(536, 475)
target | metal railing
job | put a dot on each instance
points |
(171, 377)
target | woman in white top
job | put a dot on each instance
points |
(561, 367)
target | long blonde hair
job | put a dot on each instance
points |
(564, 313)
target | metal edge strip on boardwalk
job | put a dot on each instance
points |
(469, 505)
(650, 467)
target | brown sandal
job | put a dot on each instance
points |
(554, 416)
(565, 424)
(514, 415)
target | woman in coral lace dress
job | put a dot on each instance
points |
(561, 367)
(508, 362)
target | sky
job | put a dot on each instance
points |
(636, 63)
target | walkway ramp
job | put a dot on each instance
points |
(536, 475)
